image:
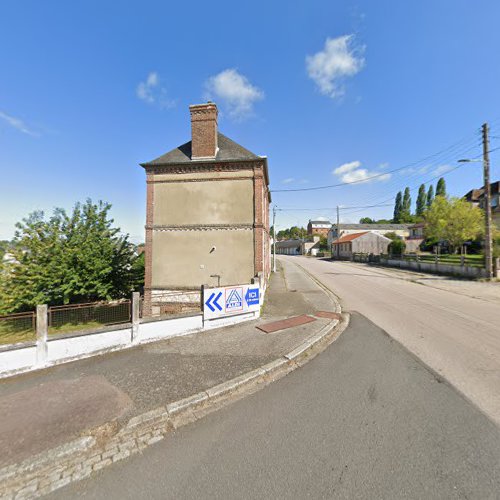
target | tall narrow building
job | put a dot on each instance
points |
(207, 217)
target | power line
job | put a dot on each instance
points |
(316, 188)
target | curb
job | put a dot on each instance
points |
(109, 443)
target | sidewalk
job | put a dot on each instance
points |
(42, 410)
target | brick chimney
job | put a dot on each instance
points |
(203, 131)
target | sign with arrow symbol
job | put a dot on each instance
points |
(230, 301)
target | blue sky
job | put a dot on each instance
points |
(329, 91)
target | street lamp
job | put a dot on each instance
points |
(488, 261)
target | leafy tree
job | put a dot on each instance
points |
(77, 257)
(383, 221)
(421, 201)
(366, 220)
(323, 243)
(441, 187)
(3, 248)
(392, 236)
(397, 247)
(405, 215)
(430, 196)
(453, 220)
(398, 208)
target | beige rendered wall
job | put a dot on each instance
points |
(203, 202)
(183, 258)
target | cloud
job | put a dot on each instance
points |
(351, 172)
(18, 124)
(152, 92)
(289, 180)
(442, 169)
(235, 91)
(346, 167)
(338, 60)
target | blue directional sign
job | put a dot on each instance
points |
(252, 296)
(211, 302)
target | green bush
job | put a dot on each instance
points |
(397, 247)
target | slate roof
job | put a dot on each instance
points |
(228, 151)
(317, 222)
(288, 243)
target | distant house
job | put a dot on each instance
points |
(401, 230)
(416, 237)
(298, 247)
(367, 242)
(476, 197)
(289, 247)
(319, 226)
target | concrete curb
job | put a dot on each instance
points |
(109, 443)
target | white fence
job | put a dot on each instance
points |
(52, 350)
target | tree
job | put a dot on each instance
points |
(430, 196)
(441, 187)
(79, 257)
(366, 220)
(398, 208)
(397, 247)
(421, 201)
(3, 248)
(323, 243)
(405, 215)
(453, 220)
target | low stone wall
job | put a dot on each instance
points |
(437, 268)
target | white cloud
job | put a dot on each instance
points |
(18, 124)
(289, 180)
(351, 172)
(235, 91)
(442, 169)
(339, 59)
(346, 167)
(152, 92)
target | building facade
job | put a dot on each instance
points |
(476, 197)
(401, 230)
(320, 226)
(366, 243)
(207, 217)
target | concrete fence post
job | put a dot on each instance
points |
(136, 316)
(462, 260)
(42, 332)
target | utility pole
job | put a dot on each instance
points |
(338, 230)
(487, 209)
(274, 238)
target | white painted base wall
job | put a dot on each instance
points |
(17, 359)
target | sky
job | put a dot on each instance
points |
(384, 94)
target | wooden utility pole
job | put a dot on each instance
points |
(338, 231)
(274, 239)
(487, 209)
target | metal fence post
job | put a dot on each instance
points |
(41, 334)
(136, 307)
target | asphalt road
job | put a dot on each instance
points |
(365, 419)
(452, 325)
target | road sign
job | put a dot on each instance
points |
(252, 296)
(234, 299)
(230, 300)
(213, 301)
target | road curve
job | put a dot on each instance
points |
(455, 334)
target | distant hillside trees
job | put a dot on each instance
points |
(76, 257)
